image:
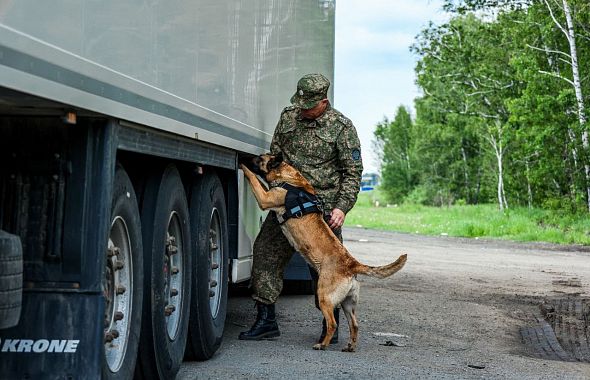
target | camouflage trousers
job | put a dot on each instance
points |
(272, 252)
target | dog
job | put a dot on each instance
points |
(312, 237)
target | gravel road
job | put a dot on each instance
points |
(456, 311)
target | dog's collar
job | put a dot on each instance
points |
(276, 184)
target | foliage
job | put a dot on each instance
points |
(394, 138)
(502, 115)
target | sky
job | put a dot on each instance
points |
(374, 68)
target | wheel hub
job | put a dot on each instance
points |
(173, 275)
(118, 301)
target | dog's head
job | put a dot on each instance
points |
(275, 169)
(264, 164)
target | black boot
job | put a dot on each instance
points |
(325, 328)
(265, 325)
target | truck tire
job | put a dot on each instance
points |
(167, 266)
(210, 282)
(123, 286)
(11, 279)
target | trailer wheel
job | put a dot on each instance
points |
(167, 250)
(123, 282)
(11, 279)
(210, 283)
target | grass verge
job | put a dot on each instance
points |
(518, 224)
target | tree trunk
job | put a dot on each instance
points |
(477, 186)
(499, 152)
(500, 185)
(501, 194)
(571, 37)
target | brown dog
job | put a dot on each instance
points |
(313, 238)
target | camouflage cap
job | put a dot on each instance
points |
(311, 88)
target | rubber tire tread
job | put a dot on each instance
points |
(11, 279)
(206, 332)
(160, 357)
(124, 204)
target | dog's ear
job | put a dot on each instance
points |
(276, 161)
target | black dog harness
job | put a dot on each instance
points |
(298, 202)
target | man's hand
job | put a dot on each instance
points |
(336, 218)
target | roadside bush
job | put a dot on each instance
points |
(471, 230)
(418, 196)
(443, 197)
(430, 195)
(460, 202)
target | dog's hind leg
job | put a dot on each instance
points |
(349, 307)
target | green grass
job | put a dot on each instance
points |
(486, 221)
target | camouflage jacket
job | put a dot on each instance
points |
(326, 151)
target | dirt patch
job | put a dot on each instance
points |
(571, 282)
(565, 329)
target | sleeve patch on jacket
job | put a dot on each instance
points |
(356, 154)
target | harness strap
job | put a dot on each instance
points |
(298, 202)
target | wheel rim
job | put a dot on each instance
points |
(215, 260)
(173, 275)
(117, 289)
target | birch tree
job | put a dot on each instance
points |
(563, 59)
(464, 68)
(568, 31)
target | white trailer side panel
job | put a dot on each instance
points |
(218, 70)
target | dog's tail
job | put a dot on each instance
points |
(383, 271)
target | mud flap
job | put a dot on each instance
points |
(58, 339)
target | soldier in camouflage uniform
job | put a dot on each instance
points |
(323, 145)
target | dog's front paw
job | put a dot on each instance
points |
(247, 172)
(319, 346)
